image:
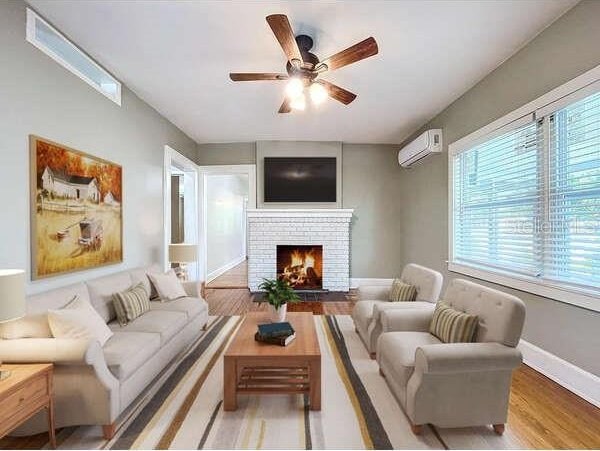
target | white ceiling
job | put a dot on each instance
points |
(176, 55)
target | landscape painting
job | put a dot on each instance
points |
(76, 210)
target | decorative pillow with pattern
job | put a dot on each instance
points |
(131, 303)
(402, 292)
(452, 326)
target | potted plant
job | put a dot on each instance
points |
(278, 293)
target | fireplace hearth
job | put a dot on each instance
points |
(301, 266)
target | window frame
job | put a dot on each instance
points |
(580, 87)
(30, 36)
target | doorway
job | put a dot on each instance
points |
(227, 193)
(181, 219)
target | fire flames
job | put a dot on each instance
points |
(303, 270)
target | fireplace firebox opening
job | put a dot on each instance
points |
(301, 266)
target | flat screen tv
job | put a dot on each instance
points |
(300, 179)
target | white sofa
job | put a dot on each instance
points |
(373, 299)
(93, 385)
(454, 384)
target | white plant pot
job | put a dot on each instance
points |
(278, 315)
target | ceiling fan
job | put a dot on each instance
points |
(303, 67)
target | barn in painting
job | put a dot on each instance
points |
(61, 184)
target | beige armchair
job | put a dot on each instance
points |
(373, 299)
(454, 384)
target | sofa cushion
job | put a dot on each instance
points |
(192, 307)
(501, 315)
(125, 352)
(165, 323)
(35, 323)
(131, 303)
(102, 290)
(139, 275)
(78, 319)
(427, 281)
(402, 292)
(363, 313)
(167, 285)
(396, 350)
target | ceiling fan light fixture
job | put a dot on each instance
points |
(294, 88)
(318, 93)
(298, 103)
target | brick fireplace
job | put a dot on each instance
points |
(313, 247)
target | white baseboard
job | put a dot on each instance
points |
(584, 384)
(357, 282)
(223, 269)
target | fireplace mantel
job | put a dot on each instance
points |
(328, 228)
(301, 212)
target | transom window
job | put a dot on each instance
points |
(50, 41)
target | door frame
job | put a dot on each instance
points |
(204, 171)
(174, 158)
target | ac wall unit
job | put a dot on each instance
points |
(427, 143)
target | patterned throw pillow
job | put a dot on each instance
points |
(452, 326)
(402, 292)
(131, 303)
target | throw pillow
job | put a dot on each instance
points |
(78, 319)
(402, 292)
(167, 286)
(131, 303)
(452, 326)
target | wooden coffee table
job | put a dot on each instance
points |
(253, 367)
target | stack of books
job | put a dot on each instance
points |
(281, 334)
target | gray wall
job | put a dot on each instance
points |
(37, 96)
(563, 51)
(371, 181)
(226, 153)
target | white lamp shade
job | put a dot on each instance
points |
(12, 294)
(182, 253)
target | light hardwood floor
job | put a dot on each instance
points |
(236, 277)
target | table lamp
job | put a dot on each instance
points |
(182, 253)
(12, 299)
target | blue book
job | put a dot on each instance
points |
(272, 330)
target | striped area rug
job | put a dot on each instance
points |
(183, 410)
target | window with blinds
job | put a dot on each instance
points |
(497, 200)
(526, 201)
(572, 244)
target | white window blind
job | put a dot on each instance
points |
(497, 196)
(572, 238)
(526, 201)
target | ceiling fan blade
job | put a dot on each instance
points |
(357, 52)
(282, 30)
(285, 106)
(257, 76)
(337, 93)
